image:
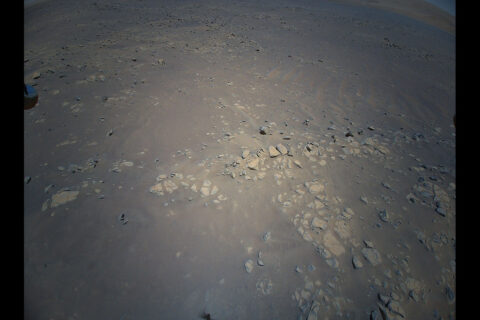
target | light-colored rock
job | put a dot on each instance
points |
(214, 190)
(316, 188)
(319, 223)
(249, 265)
(170, 186)
(245, 153)
(253, 163)
(297, 163)
(157, 189)
(205, 191)
(63, 197)
(282, 149)
(332, 244)
(273, 152)
(319, 204)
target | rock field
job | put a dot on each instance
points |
(256, 160)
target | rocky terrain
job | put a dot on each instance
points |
(246, 160)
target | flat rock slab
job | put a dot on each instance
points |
(332, 244)
(372, 255)
(63, 197)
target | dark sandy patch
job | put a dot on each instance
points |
(149, 185)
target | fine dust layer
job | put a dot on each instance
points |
(247, 160)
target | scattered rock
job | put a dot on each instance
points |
(205, 191)
(372, 255)
(245, 154)
(263, 130)
(316, 188)
(383, 215)
(357, 263)
(264, 286)
(249, 265)
(395, 308)
(441, 211)
(368, 244)
(297, 163)
(214, 190)
(63, 197)
(267, 236)
(170, 186)
(319, 223)
(273, 152)
(450, 294)
(253, 163)
(123, 219)
(27, 179)
(260, 262)
(161, 177)
(332, 244)
(157, 189)
(282, 149)
(383, 298)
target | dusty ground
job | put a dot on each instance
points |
(150, 192)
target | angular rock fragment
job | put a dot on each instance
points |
(282, 149)
(297, 163)
(253, 164)
(357, 263)
(263, 130)
(273, 152)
